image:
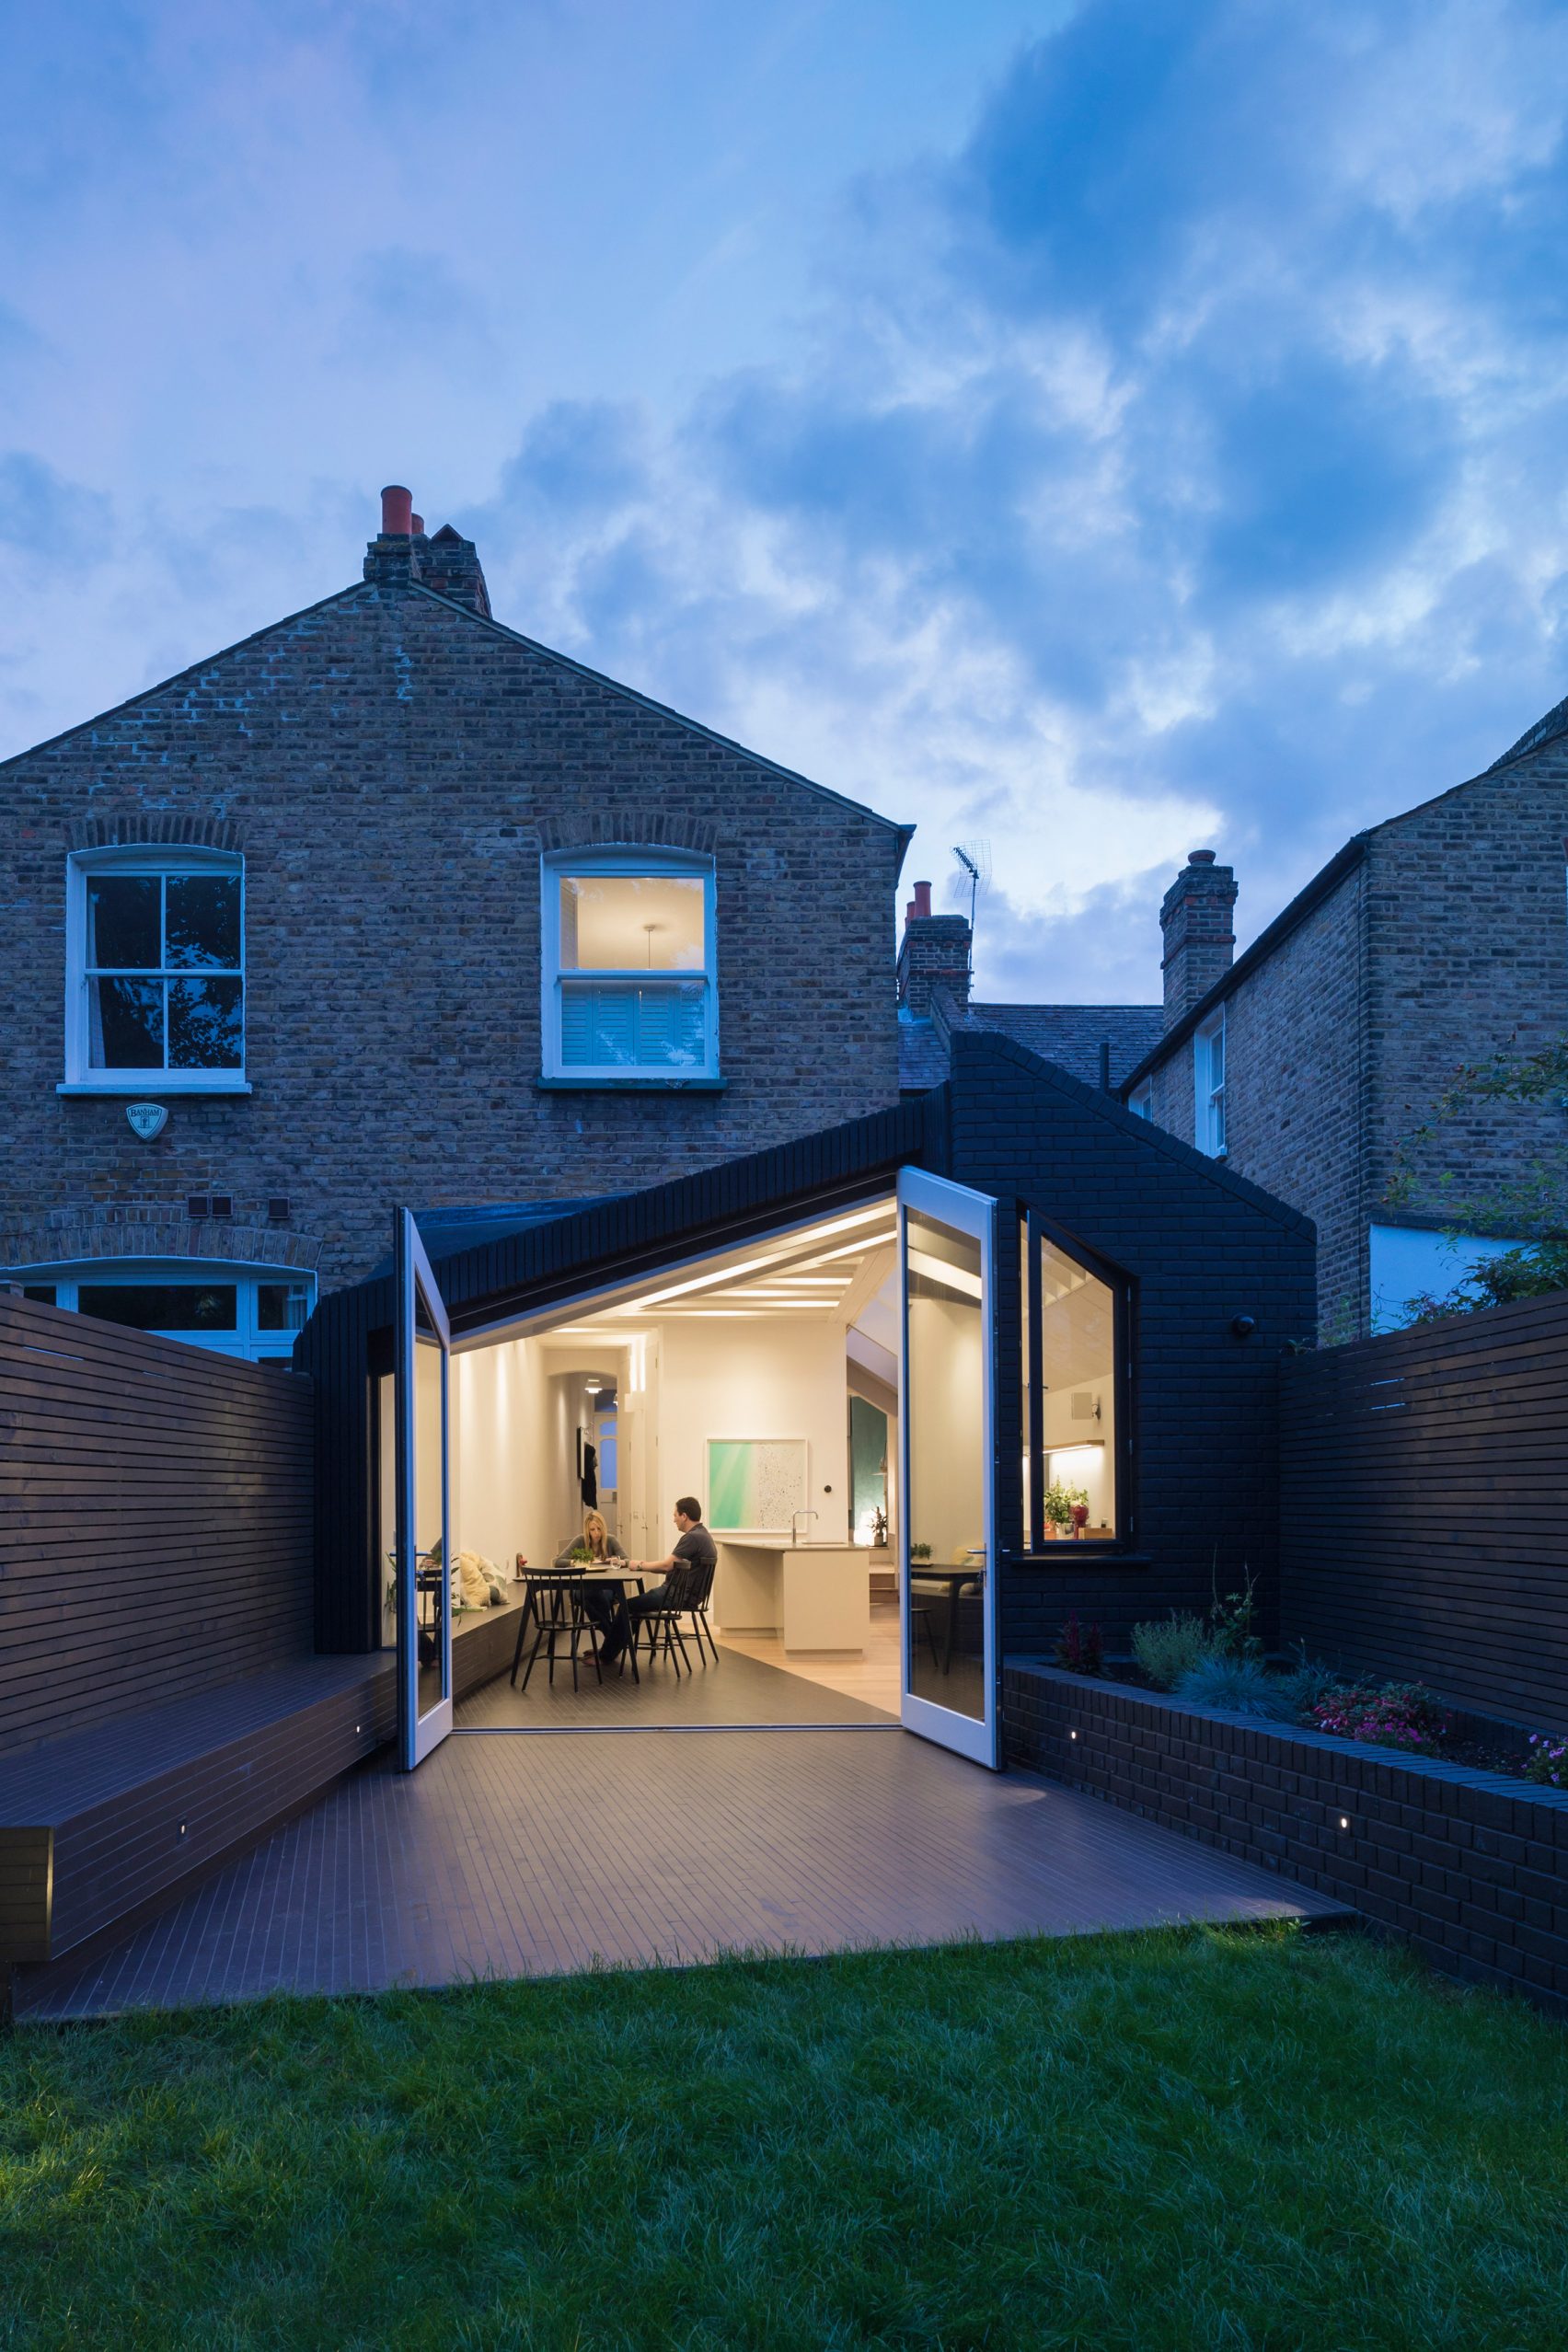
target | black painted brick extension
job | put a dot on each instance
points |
(1470, 1867)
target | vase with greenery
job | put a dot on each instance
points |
(1056, 1507)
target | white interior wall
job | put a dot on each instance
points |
(513, 1451)
(1072, 1458)
(773, 1377)
(946, 1434)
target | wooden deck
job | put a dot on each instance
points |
(514, 1857)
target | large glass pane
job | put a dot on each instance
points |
(206, 1024)
(202, 921)
(282, 1306)
(432, 1571)
(629, 1027)
(125, 1024)
(161, 1305)
(122, 922)
(1078, 1377)
(632, 923)
(945, 1372)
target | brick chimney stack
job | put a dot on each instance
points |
(1198, 923)
(934, 953)
(444, 561)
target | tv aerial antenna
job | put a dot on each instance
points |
(974, 873)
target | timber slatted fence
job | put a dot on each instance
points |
(156, 1529)
(1424, 1502)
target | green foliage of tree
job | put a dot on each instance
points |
(1533, 1202)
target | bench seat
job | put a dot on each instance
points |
(107, 1824)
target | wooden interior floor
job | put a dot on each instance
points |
(873, 1678)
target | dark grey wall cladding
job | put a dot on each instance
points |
(1471, 1868)
(155, 1520)
(1200, 1248)
(1422, 1531)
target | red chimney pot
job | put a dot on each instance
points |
(922, 898)
(397, 512)
(416, 524)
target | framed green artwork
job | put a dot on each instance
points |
(755, 1482)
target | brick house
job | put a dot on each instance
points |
(1436, 938)
(1312, 1062)
(390, 904)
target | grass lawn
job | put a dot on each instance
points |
(1191, 2139)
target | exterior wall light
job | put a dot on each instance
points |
(1243, 1325)
(1344, 1821)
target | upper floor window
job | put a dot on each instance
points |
(155, 969)
(1209, 1080)
(1140, 1102)
(630, 985)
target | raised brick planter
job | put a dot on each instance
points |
(1470, 1867)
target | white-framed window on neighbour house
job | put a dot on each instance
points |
(630, 975)
(1208, 1081)
(1140, 1102)
(155, 979)
(257, 1312)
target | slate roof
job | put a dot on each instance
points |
(1070, 1036)
(922, 1057)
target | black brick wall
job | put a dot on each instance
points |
(1470, 1867)
(1201, 1247)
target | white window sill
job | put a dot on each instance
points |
(155, 1082)
(640, 1082)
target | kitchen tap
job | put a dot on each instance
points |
(795, 1519)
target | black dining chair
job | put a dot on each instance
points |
(560, 1617)
(685, 1591)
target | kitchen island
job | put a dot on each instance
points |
(817, 1596)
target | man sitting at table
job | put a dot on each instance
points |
(693, 1551)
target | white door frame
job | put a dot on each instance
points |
(974, 1213)
(415, 1286)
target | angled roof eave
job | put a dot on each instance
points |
(903, 833)
(996, 1042)
(1323, 883)
(178, 678)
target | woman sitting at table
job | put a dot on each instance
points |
(600, 1601)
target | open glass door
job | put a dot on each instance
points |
(422, 1546)
(947, 1533)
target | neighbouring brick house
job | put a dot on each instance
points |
(1312, 1061)
(1432, 940)
(388, 904)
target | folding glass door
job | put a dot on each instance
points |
(421, 1548)
(947, 1533)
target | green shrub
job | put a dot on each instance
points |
(1169, 1647)
(1237, 1685)
(1308, 1684)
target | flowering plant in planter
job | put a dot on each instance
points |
(1548, 1762)
(1386, 1714)
(1081, 1649)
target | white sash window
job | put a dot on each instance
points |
(630, 983)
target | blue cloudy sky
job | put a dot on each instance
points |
(1091, 428)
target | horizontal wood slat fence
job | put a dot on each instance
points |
(155, 1521)
(1424, 1501)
